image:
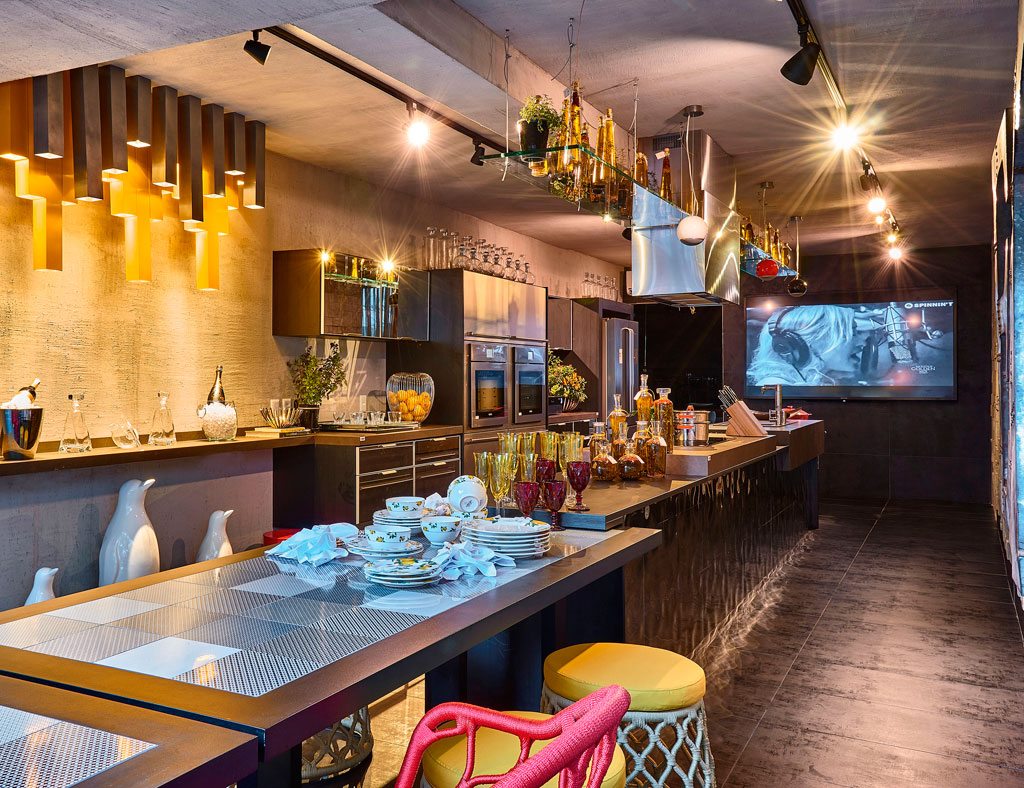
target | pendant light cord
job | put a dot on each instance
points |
(508, 56)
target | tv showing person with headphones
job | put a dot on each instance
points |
(890, 349)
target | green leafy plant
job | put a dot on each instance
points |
(564, 380)
(315, 380)
(539, 109)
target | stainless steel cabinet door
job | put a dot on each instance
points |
(486, 305)
(527, 311)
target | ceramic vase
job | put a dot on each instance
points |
(216, 544)
(42, 586)
(129, 548)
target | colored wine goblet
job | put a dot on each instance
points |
(554, 497)
(546, 469)
(528, 466)
(579, 477)
(527, 496)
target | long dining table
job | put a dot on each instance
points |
(281, 650)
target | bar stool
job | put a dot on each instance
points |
(444, 762)
(664, 732)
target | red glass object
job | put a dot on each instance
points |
(554, 497)
(546, 469)
(579, 477)
(527, 496)
(767, 269)
(278, 535)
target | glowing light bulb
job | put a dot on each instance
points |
(895, 253)
(879, 219)
(891, 238)
(845, 137)
(418, 133)
(325, 256)
(387, 265)
(607, 217)
(876, 204)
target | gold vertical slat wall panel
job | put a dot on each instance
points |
(255, 190)
(234, 144)
(47, 215)
(15, 119)
(113, 120)
(190, 160)
(137, 238)
(48, 116)
(86, 135)
(139, 109)
(213, 150)
(208, 260)
(165, 136)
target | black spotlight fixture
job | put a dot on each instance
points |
(257, 51)
(478, 154)
(800, 67)
(796, 287)
(627, 233)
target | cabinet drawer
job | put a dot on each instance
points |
(387, 456)
(434, 477)
(429, 447)
(374, 489)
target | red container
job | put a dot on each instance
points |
(278, 535)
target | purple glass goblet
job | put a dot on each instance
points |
(546, 469)
(578, 472)
(527, 496)
(554, 497)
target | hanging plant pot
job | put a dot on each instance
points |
(533, 135)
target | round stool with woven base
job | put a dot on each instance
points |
(336, 749)
(496, 753)
(664, 733)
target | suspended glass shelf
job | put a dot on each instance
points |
(362, 271)
(576, 174)
(752, 256)
(361, 281)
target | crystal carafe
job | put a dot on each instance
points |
(475, 264)
(656, 452)
(620, 441)
(520, 274)
(603, 466)
(461, 259)
(443, 248)
(76, 435)
(665, 190)
(531, 278)
(430, 249)
(161, 432)
(644, 400)
(663, 412)
(631, 464)
(616, 417)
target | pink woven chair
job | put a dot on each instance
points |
(584, 735)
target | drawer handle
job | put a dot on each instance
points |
(388, 445)
(435, 440)
(437, 464)
(388, 473)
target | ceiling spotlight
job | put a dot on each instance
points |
(800, 67)
(895, 253)
(876, 204)
(845, 137)
(478, 154)
(325, 256)
(879, 219)
(258, 51)
(891, 238)
(417, 130)
(627, 233)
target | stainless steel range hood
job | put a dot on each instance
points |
(664, 269)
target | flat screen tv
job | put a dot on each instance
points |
(875, 346)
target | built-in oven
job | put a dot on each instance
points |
(529, 380)
(489, 382)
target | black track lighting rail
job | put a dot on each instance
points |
(300, 43)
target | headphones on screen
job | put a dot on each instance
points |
(788, 345)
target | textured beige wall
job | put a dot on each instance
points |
(87, 329)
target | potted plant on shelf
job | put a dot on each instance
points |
(537, 119)
(565, 383)
(315, 380)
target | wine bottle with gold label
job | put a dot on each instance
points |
(665, 191)
(640, 174)
(611, 180)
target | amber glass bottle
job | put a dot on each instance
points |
(631, 464)
(640, 437)
(663, 412)
(644, 400)
(619, 444)
(665, 191)
(603, 467)
(616, 417)
(656, 452)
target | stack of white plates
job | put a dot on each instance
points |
(403, 572)
(514, 537)
(360, 545)
(409, 519)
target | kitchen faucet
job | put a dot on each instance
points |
(777, 417)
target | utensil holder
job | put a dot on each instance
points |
(743, 423)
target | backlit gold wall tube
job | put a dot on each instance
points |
(234, 144)
(190, 159)
(15, 119)
(86, 133)
(139, 108)
(254, 194)
(165, 136)
(208, 260)
(48, 116)
(113, 120)
(213, 150)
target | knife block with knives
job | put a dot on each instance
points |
(742, 422)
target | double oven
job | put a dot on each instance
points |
(506, 390)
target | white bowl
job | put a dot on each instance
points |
(405, 507)
(467, 494)
(387, 535)
(441, 529)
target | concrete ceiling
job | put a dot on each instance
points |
(929, 77)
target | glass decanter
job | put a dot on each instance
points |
(509, 272)
(444, 246)
(616, 417)
(531, 277)
(475, 264)
(603, 466)
(664, 413)
(620, 441)
(519, 274)
(631, 464)
(161, 432)
(640, 437)
(430, 249)
(76, 435)
(644, 400)
(461, 259)
(656, 452)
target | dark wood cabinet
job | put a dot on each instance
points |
(560, 323)
(586, 336)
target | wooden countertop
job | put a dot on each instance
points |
(111, 455)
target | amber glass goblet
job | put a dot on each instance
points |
(527, 496)
(554, 497)
(546, 469)
(578, 474)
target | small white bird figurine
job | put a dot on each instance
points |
(42, 586)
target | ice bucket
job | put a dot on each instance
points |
(20, 429)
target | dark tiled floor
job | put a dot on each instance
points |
(888, 653)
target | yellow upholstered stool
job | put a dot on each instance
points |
(496, 753)
(664, 733)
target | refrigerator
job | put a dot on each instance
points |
(620, 371)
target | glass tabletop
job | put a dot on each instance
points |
(252, 626)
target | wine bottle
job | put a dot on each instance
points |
(597, 168)
(665, 191)
(217, 392)
(611, 181)
(776, 251)
(640, 170)
(24, 398)
(563, 157)
(750, 231)
(766, 242)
